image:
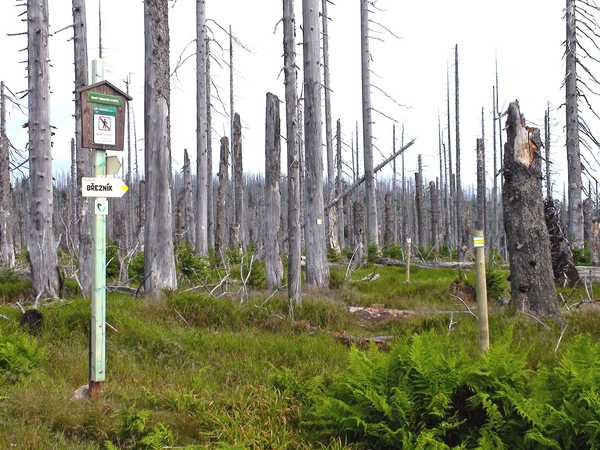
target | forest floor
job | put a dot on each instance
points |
(193, 371)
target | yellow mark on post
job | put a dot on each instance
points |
(478, 241)
(124, 188)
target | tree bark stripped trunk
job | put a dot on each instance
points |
(371, 202)
(41, 244)
(159, 257)
(201, 132)
(272, 213)
(595, 242)
(434, 195)
(419, 204)
(359, 231)
(338, 187)
(84, 165)
(210, 213)
(7, 254)
(293, 153)
(572, 130)
(317, 269)
(222, 198)
(494, 226)
(547, 149)
(188, 212)
(588, 206)
(238, 175)
(451, 187)
(388, 220)
(532, 284)
(459, 192)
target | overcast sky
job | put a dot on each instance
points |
(526, 35)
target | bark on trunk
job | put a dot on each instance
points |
(41, 244)
(202, 180)
(210, 213)
(7, 254)
(359, 230)
(293, 153)
(563, 263)
(372, 229)
(222, 198)
(272, 213)
(547, 149)
(434, 195)
(459, 192)
(188, 213)
(238, 176)
(317, 269)
(159, 257)
(572, 128)
(338, 188)
(532, 284)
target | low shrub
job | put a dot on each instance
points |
(14, 286)
(136, 269)
(393, 252)
(135, 433)
(19, 355)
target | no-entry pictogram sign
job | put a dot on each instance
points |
(105, 127)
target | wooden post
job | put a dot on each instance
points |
(481, 291)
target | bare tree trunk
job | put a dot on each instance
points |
(359, 230)
(563, 263)
(210, 214)
(459, 193)
(338, 187)
(202, 180)
(547, 149)
(272, 213)
(188, 213)
(394, 188)
(41, 244)
(129, 198)
(84, 164)
(588, 206)
(572, 127)
(238, 184)
(7, 254)
(434, 195)
(372, 229)
(442, 224)
(451, 187)
(142, 208)
(293, 153)
(388, 220)
(72, 185)
(222, 198)
(159, 257)
(419, 204)
(317, 269)
(532, 283)
(596, 242)
(403, 195)
(495, 230)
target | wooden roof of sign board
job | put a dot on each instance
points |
(91, 87)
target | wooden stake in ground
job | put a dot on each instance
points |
(272, 214)
(481, 291)
(159, 256)
(532, 282)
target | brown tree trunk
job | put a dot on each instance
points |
(532, 283)
(221, 206)
(272, 214)
(159, 257)
(41, 244)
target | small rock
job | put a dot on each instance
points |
(82, 393)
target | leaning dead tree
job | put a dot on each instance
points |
(272, 213)
(7, 253)
(293, 151)
(159, 257)
(317, 269)
(532, 283)
(41, 244)
(371, 202)
(201, 132)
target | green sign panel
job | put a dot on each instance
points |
(104, 99)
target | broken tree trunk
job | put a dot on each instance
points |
(317, 269)
(221, 206)
(272, 213)
(563, 263)
(238, 176)
(532, 283)
(293, 153)
(159, 255)
(7, 254)
(41, 244)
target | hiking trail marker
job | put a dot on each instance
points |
(103, 110)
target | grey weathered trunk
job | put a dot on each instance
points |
(388, 220)
(317, 269)
(272, 212)
(238, 176)
(572, 129)
(338, 187)
(480, 223)
(394, 187)
(188, 212)
(547, 149)
(563, 263)
(403, 201)
(459, 192)
(159, 257)
(202, 180)
(293, 152)
(588, 206)
(451, 176)
(372, 229)
(494, 226)
(595, 244)
(7, 254)
(221, 206)
(532, 283)
(41, 243)
(210, 214)
(359, 230)
(419, 204)
(72, 185)
(84, 164)
(129, 198)
(443, 225)
(434, 197)
(141, 208)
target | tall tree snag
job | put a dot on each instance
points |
(238, 185)
(201, 131)
(220, 245)
(7, 253)
(159, 257)
(532, 283)
(41, 243)
(317, 269)
(272, 213)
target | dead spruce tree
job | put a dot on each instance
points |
(201, 132)
(532, 283)
(434, 196)
(7, 253)
(188, 212)
(238, 176)
(210, 213)
(317, 269)
(41, 243)
(221, 209)
(84, 166)
(293, 152)
(159, 257)
(480, 224)
(459, 192)
(371, 203)
(338, 186)
(272, 213)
